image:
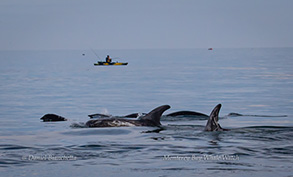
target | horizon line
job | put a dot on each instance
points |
(179, 48)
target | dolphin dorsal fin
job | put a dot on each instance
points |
(155, 114)
(212, 124)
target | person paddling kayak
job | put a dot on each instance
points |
(108, 59)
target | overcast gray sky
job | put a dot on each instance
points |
(139, 24)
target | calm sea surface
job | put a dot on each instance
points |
(257, 83)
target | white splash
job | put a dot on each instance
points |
(105, 111)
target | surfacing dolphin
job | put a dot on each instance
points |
(187, 113)
(133, 115)
(212, 124)
(97, 115)
(52, 118)
(152, 119)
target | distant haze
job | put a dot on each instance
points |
(143, 24)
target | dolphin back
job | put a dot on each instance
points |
(212, 124)
(52, 118)
(155, 115)
(98, 115)
(187, 113)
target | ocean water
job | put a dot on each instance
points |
(255, 82)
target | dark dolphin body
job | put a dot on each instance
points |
(212, 124)
(52, 118)
(133, 115)
(98, 115)
(187, 113)
(151, 119)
